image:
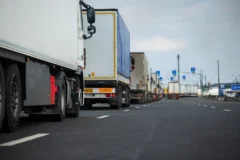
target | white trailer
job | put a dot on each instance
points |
(194, 90)
(182, 90)
(173, 90)
(188, 90)
(41, 58)
(107, 73)
(150, 86)
(139, 80)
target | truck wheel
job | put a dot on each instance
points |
(119, 99)
(127, 98)
(73, 111)
(61, 103)
(2, 96)
(13, 98)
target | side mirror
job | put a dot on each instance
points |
(91, 15)
(132, 61)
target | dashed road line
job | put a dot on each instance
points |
(104, 116)
(205, 105)
(213, 107)
(226, 110)
(126, 110)
(137, 107)
(22, 140)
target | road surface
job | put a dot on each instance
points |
(185, 129)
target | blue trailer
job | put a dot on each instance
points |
(108, 62)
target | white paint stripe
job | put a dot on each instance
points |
(212, 107)
(101, 117)
(126, 110)
(137, 107)
(144, 105)
(22, 140)
(199, 104)
(226, 110)
(205, 105)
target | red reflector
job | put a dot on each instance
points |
(52, 90)
(110, 95)
(56, 89)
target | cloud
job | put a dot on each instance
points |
(159, 44)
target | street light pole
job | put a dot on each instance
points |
(218, 78)
(178, 58)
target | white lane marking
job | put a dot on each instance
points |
(199, 104)
(104, 116)
(144, 105)
(22, 140)
(205, 105)
(213, 107)
(126, 110)
(137, 107)
(226, 110)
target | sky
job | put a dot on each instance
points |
(201, 31)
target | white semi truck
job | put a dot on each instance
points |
(139, 79)
(107, 73)
(173, 90)
(42, 58)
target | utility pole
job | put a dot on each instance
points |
(178, 58)
(205, 80)
(218, 78)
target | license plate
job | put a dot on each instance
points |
(89, 90)
(106, 90)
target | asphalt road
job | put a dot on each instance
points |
(185, 129)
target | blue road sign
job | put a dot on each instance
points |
(158, 73)
(174, 72)
(193, 69)
(160, 78)
(171, 78)
(222, 86)
(235, 87)
(184, 77)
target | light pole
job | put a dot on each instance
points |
(236, 77)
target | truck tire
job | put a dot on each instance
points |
(119, 99)
(13, 98)
(74, 111)
(61, 103)
(127, 98)
(2, 96)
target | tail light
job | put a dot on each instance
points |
(110, 95)
(53, 90)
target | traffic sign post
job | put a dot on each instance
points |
(158, 73)
(222, 87)
(193, 69)
(174, 72)
(184, 77)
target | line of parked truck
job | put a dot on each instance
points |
(49, 65)
(177, 90)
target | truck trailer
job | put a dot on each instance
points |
(107, 73)
(42, 58)
(139, 78)
(194, 90)
(154, 87)
(150, 82)
(173, 90)
(182, 90)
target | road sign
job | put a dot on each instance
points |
(160, 78)
(235, 87)
(171, 78)
(174, 72)
(222, 86)
(158, 73)
(184, 77)
(193, 69)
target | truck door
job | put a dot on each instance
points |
(80, 54)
